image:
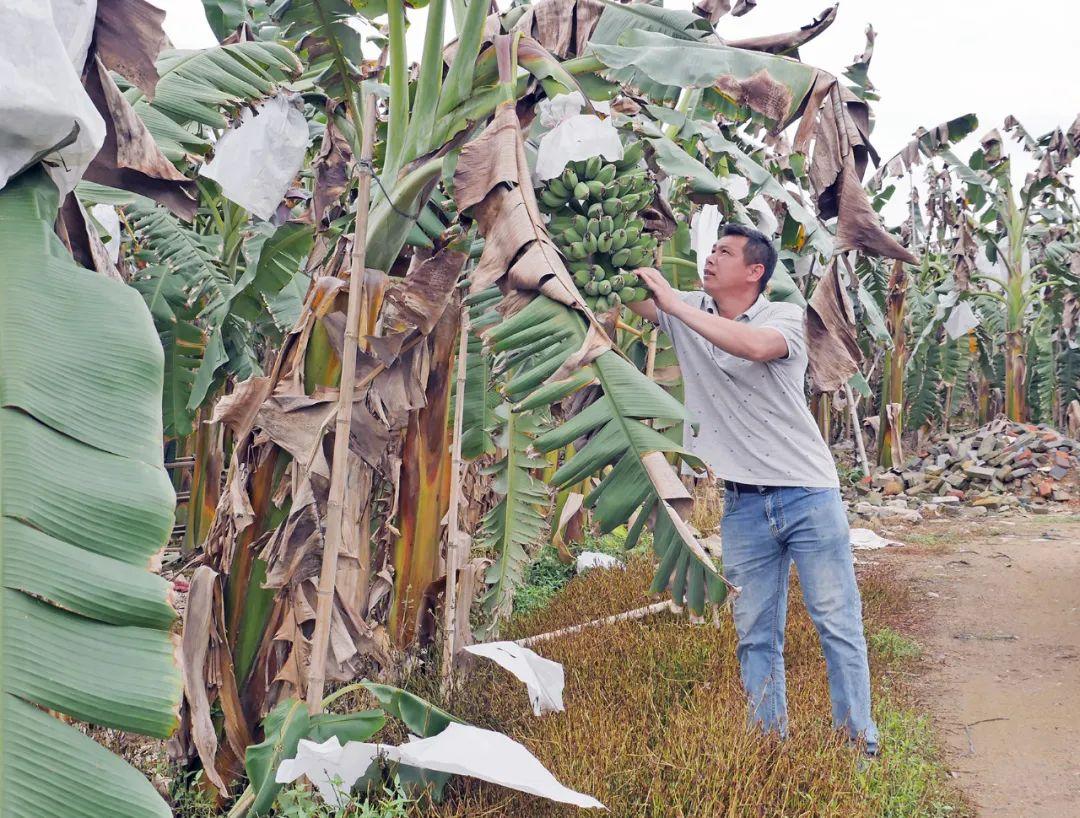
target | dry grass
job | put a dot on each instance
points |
(654, 721)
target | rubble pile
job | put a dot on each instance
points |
(999, 465)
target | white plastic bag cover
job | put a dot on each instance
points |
(543, 678)
(961, 320)
(767, 222)
(596, 559)
(107, 217)
(43, 103)
(704, 229)
(256, 161)
(492, 757)
(573, 136)
(332, 768)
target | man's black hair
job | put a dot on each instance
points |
(757, 250)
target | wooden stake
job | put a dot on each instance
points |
(637, 613)
(454, 557)
(856, 428)
(335, 506)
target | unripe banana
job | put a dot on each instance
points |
(581, 223)
(593, 227)
(603, 243)
(549, 198)
(603, 287)
(607, 225)
(596, 189)
(581, 191)
(592, 167)
(581, 278)
(620, 258)
(598, 272)
(570, 179)
(589, 243)
(628, 295)
(612, 206)
(576, 251)
(570, 236)
(558, 188)
(614, 300)
(619, 240)
(592, 287)
(606, 174)
(596, 210)
(632, 154)
(618, 281)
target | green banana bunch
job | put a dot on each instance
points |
(593, 208)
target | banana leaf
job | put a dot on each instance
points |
(86, 505)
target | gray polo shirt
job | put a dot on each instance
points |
(753, 422)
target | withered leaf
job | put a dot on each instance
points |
(830, 333)
(128, 38)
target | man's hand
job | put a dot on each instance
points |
(663, 294)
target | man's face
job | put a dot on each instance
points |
(726, 271)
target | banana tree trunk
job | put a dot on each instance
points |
(205, 481)
(425, 487)
(890, 424)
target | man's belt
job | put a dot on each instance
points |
(739, 488)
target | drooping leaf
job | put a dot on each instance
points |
(85, 503)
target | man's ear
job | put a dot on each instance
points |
(756, 272)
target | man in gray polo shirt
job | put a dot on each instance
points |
(743, 360)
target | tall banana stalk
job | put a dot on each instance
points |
(343, 422)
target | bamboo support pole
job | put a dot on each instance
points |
(343, 424)
(454, 557)
(637, 613)
(856, 429)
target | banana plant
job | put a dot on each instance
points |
(85, 508)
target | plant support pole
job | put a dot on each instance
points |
(453, 535)
(856, 429)
(343, 423)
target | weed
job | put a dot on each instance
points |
(301, 802)
(892, 646)
(907, 780)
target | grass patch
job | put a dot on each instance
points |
(655, 718)
(908, 780)
(892, 646)
(547, 574)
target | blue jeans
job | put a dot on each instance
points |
(763, 531)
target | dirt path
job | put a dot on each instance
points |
(1002, 643)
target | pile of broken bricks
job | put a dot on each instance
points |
(998, 466)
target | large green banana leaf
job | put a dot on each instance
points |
(85, 505)
(622, 446)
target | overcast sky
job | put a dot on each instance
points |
(933, 59)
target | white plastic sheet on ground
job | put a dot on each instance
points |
(459, 749)
(573, 136)
(863, 539)
(492, 757)
(704, 229)
(331, 767)
(596, 559)
(543, 678)
(256, 161)
(43, 104)
(961, 320)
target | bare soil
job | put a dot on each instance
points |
(1001, 640)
